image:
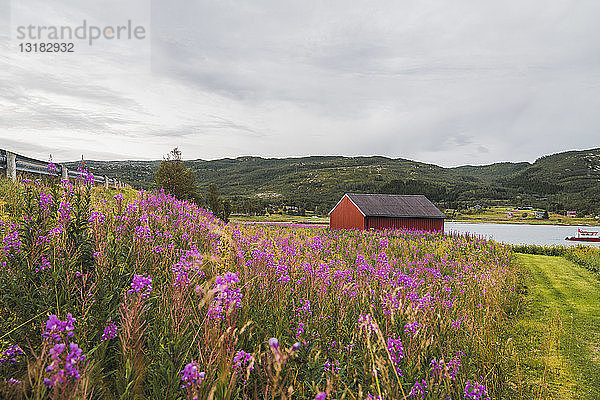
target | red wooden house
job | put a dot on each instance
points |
(386, 211)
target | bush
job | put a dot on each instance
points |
(586, 256)
(558, 251)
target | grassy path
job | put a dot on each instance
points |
(557, 339)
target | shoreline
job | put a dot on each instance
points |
(326, 223)
(521, 223)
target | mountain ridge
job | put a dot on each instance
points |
(566, 180)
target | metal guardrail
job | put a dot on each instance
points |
(2, 159)
(13, 163)
(31, 165)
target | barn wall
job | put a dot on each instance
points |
(420, 224)
(346, 216)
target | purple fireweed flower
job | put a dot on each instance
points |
(230, 278)
(12, 241)
(449, 369)
(51, 167)
(97, 216)
(419, 390)
(45, 201)
(321, 396)
(227, 297)
(66, 185)
(183, 270)
(412, 328)
(73, 358)
(64, 210)
(243, 363)
(476, 391)
(54, 327)
(110, 331)
(456, 323)
(331, 367)
(43, 264)
(437, 366)
(300, 329)
(243, 360)
(68, 324)
(48, 382)
(55, 355)
(118, 197)
(366, 322)
(14, 382)
(144, 232)
(274, 344)
(141, 284)
(306, 311)
(396, 350)
(191, 375)
(55, 232)
(53, 324)
(87, 176)
(65, 364)
(454, 365)
(10, 355)
(316, 243)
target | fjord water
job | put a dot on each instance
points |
(543, 235)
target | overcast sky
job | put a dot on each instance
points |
(446, 82)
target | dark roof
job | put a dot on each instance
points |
(393, 205)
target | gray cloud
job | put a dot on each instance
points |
(60, 152)
(450, 83)
(216, 125)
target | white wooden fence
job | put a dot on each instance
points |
(13, 163)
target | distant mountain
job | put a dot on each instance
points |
(569, 180)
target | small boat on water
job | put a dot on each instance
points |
(585, 236)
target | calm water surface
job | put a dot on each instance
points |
(544, 235)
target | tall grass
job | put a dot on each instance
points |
(171, 303)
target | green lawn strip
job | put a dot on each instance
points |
(557, 336)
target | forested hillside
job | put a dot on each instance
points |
(569, 180)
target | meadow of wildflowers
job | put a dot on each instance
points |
(106, 294)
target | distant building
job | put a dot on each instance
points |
(571, 214)
(509, 214)
(386, 211)
(539, 214)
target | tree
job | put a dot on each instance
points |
(220, 208)
(175, 178)
(226, 210)
(214, 202)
